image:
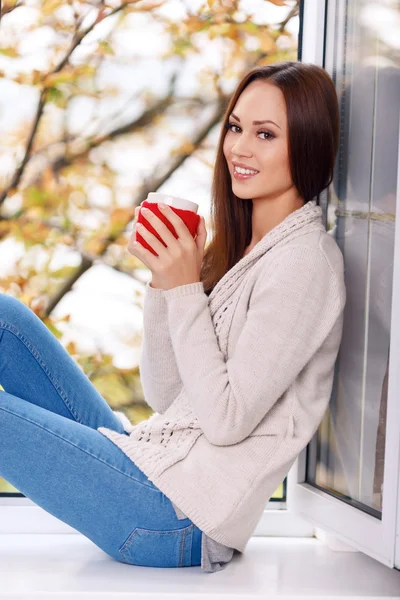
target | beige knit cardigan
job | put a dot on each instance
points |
(239, 380)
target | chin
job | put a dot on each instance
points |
(242, 196)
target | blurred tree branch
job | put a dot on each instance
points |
(150, 185)
(293, 13)
(9, 7)
(135, 125)
(78, 37)
(53, 186)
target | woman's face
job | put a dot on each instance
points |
(261, 147)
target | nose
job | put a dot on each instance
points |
(239, 148)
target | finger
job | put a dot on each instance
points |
(133, 237)
(151, 239)
(147, 257)
(160, 227)
(178, 223)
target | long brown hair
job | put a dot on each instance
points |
(313, 137)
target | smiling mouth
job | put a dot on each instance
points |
(242, 176)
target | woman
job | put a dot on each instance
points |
(237, 359)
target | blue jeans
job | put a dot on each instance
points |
(51, 452)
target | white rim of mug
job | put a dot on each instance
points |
(175, 201)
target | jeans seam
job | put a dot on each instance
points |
(128, 542)
(36, 355)
(151, 487)
(183, 547)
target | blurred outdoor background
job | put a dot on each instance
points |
(101, 103)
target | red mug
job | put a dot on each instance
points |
(185, 209)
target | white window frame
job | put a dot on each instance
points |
(347, 524)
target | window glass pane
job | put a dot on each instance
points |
(348, 458)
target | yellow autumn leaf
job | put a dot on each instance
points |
(49, 6)
(26, 298)
(71, 348)
(54, 79)
(63, 273)
(112, 388)
(186, 147)
(267, 44)
(50, 325)
(106, 48)
(9, 51)
(5, 229)
(94, 246)
(119, 218)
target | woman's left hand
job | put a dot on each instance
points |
(180, 262)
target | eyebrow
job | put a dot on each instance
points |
(256, 122)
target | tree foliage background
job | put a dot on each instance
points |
(109, 116)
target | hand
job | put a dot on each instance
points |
(180, 261)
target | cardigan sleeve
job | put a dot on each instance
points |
(159, 375)
(294, 304)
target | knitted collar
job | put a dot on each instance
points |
(309, 215)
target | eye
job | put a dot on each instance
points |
(229, 126)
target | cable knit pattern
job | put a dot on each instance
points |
(240, 380)
(308, 214)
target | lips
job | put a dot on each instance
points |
(242, 177)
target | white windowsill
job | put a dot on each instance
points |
(34, 566)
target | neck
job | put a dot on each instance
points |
(267, 214)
